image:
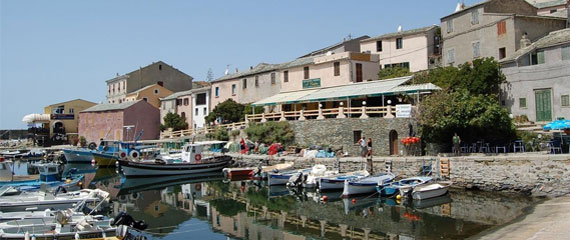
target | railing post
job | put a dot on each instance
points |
(389, 112)
(320, 116)
(341, 111)
(282, 119)
(364, 115)
(302, 115)
(169, 132)
(246, 119)
(263, 118)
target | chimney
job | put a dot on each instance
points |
(525, 42)
(237, 70)
(160, 83)
(250, 67)
(400, 28)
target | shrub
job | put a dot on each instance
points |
(220, 134)
(271, 132)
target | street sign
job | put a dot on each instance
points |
(404, 110)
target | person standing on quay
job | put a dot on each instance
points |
(369, 144)
(456, 141)
(363, 147)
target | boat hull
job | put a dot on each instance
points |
(78, 155)
(104, 160)
(420, 193)
(42, 205)
(365, 185)
(278, 179)
(142, 169)
(330, 184)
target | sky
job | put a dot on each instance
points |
(55, 51)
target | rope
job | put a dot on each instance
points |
(190, 224)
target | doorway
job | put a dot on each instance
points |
(543, 105)
(393, 142)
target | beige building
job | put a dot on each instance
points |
(492, 29)
(328, 71)
(415, 49)
(64, 119)
(151, 94)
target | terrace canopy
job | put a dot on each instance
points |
(356, 90)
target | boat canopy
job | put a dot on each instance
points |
(36, 118)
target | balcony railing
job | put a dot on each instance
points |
(188, 132)
(340, 112)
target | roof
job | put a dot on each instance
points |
(297, 62)
(334, 46)
(154, 63)
(467, 8)
(402, 33)
(147, 87)
(372, 88)
(548, 4)
(552, 39)
(260, 68)
(63, 103)
(111, 106)
(184, 93)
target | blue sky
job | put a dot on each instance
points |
(55, 51)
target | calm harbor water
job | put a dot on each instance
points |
(209, 207)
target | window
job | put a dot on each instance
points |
(186, 101)
(244, 84)
(449, 25)
(205, 111)
(201, 99)
(357, 135)
(553, 10)
(399, 43)
(71, 110)
(183, 115)
(502, 53)
(306, 72)
(565, 100)
(285, 76)
(196, 111)
(234, 89)
(405, 65)
(436, 47)
(450, 56)
(178, 102)
(475, 17)
(476, 51)
(159, 66)
(145, 99)
(272, 78)
(537, 58)
(217, 91)
(155, 91)
(566, 53)
(379, 46)
(336, 68)
(501, 28)
(120, 101)
(522, 102)
(256, 81)
(359, 72)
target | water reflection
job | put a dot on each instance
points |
(211, 208)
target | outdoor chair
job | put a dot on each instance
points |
(518, 144)
(473, 148)
(484, 148)
(554, 148)
(464, 148)
(500, 147)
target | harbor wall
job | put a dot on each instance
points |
(539, 174)
(343, 132)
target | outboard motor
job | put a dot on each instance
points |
(296, 180)
(124, 218)
(59, 189)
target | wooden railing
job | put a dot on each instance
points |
(341, 112)
(188, 132)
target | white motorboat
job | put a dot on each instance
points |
(319, 171)
(336, 182)
(191, 162)
(44, 200)
(426, 191)
(281, 178)
(79, 155)
(393, 188)
(365, 184)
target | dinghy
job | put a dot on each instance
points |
(45, 200)
(336, 182)
(425, 191)
(393, 188)
(365, 184)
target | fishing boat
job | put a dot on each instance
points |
(45, 200)
(393, 188)
(336, 182)
(426, 191)
(251, 171)
(319, 171)
(50, 174)
(281, 178)
(79, 155)
(365, 184)
(191, 162)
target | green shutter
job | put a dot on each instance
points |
(565, 101)
(543, 105)
(522, 102)
(566, 53)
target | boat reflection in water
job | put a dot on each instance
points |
(209, 208)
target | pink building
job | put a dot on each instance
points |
(111, 121)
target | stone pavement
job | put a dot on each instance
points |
(548, 220)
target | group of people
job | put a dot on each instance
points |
(366, 147)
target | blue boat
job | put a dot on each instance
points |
(366, 184)
(50, 174)
(391, 189)
(337, 182)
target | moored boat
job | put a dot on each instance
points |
(393, 188)
(44, 200)
(80, 155)
(365, 184)
(426, 191)
(281, 178)
(336, 182)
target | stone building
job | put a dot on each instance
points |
(151, 94)
(555, 8)
(415, 49)
(538, 78)
(492, 29)
(158, 72)
(194, 105)
(120, 121)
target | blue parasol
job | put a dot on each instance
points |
(557, 125)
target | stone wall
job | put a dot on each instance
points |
(340, 132)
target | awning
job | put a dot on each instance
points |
(354, 90)
(36, 118)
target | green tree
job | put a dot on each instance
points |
(248, 109)
(229, 110)
(220, 134)
(393, 72)
(174, 121)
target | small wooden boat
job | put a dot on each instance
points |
(251, 171)
(44, 200)
(192, 162)
(336, 182)
(426, 191)
(365, 184)
(393, 188)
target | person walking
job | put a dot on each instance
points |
(363, 147)
(456, 141)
